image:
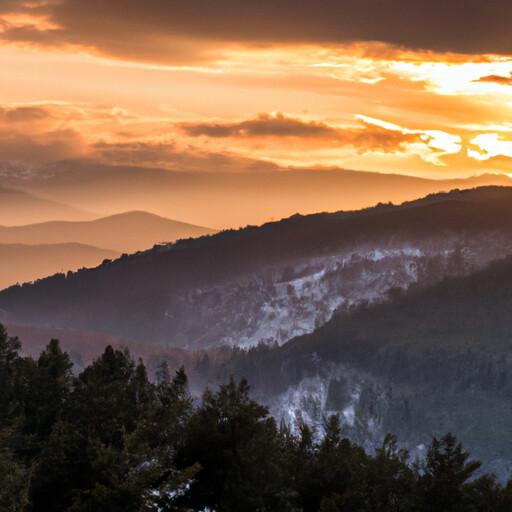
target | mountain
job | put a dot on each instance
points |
(19, 207)
(431, 360)
(230, 199)
(280, 280)
(126, 232)
(22, 263)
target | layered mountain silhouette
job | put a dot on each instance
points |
(288, 276)
(397, 318)
(230, 199)
(125, 232)
(18, 207)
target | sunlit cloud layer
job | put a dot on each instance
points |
(242, 86)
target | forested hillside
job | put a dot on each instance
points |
(110, 440)
(221, 289)
(429, 360)
(355, 313)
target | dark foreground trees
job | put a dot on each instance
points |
(109, 440)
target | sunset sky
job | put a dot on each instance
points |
(414, 87)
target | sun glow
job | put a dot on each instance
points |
(362, 105)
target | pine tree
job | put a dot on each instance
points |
(10, 376)
(48, 388)
(445, 475)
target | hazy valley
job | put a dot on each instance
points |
(255, 256)
(369, 314)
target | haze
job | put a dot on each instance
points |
(231, 114)
(191, 88)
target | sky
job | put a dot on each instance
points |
(422, 88)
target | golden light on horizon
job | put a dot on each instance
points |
(365, 105)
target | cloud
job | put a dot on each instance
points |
(264, 125)
(171, 156)
(175, 31)
(366, 136)
(490, 145)
(35, 134)
(38, 134)
(496, 79)
(44, 133)
(40, 148)
(23, 114)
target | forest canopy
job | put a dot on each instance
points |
(112, 439)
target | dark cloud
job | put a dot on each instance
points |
(23, 114)
(169, 156)
(367, 137)
(39, 148)
(264, 125)
(29, 134)
(496, 79)
(174, 30)
(134, 152)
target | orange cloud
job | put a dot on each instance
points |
(366, 137)
(370, 135)
(174, 31)
(496, 79)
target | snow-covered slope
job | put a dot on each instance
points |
(281, 303)
(271, 283)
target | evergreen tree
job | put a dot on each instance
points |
(11, 394)
(111, 440)
(234, 441)
(48, 386)
(13, 480)
(445, 475)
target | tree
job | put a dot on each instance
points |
(111, 440)
(48, 388)
(390, 480)
(445, 475)
(85, 463)
(13, 481)
(235, 442)
(158, 439)
(10, 373)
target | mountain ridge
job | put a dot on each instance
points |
(431, 359)
(123, 232)
(19, 207)
(230, 199)
(175, 290)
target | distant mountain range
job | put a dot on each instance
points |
(397, 318)
(35, 251)
(125, 232)
(18, 207)
(228, 199)
(277, 281)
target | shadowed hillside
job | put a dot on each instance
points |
(18, 207)
(178, 294)
(430, 360)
